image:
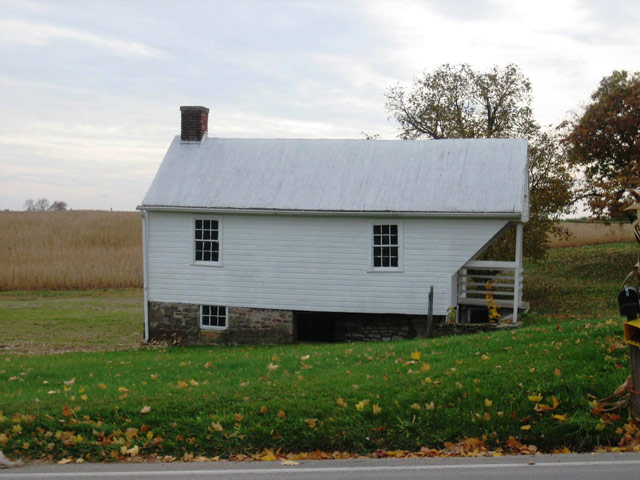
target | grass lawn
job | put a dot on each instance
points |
(353, 397)
(579, 281)
(58, 321)
(536, 384)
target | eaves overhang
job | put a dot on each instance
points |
(516, 216)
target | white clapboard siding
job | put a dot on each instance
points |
(311, 263)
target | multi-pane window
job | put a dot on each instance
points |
(385, 246)
(207, 246)
(213, 316)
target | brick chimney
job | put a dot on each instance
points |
(195, 123)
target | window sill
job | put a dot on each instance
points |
(218, 329)
(206, 264)
(386, 270)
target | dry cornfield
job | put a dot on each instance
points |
(70, 250)
(591, 233)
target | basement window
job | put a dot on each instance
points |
(213, 317)
(387, 239)
(207, 241)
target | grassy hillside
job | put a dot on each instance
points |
(582, 281)
(535, 385)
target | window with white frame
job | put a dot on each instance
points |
(213, 316)
(207, 240)
(386, 246)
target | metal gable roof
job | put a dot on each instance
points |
(462, 176)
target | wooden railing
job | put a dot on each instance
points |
(478, 278)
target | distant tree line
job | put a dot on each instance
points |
(43, 205)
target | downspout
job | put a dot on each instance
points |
(145, 267)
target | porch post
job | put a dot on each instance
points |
(517, 273)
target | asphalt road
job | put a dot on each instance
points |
(548, 467)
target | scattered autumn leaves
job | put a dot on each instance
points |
(385, 393)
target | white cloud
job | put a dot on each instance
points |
(18, 32)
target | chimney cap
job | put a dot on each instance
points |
(189, 108)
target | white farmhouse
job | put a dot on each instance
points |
(274, 240)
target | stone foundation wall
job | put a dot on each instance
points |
(180, 323)
(374, 328)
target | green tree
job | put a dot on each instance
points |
(604, 143)
(456, 101)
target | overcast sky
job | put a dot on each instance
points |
(90, 91)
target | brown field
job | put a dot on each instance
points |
(591, 233)
(70, 250)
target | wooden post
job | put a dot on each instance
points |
(430, 317)
(634, 354)
(517, 272)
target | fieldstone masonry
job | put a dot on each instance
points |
(373, 328)
(180, 323)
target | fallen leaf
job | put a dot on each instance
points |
(238, 417)
(561, 418)
(288, 463)
(145, 409)
(66, 411)
(430, 405)
(133, 451)
(563, 450)
(376, 409)
(557, 372)
(415, 355)
(216, 426)
(487, 402)
(70, 382)
(66, 460)
(536, 397)
(102, 386)
(263, 409)
(281, 414)
(267, 456)
(311, 422)
(525, 427)
(340, 401)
